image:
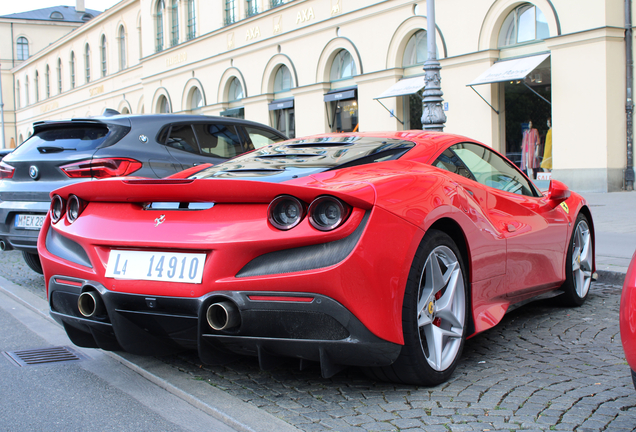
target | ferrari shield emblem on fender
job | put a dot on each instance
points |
(565, 207)
(160, 220)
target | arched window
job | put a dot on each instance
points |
(59, 75)
(22, 48)
(282, 80)
(104, 56)
(125, 110)
(416, 51)
(282, 109)
(343, 110)
(343, 66)
(122, 48)
(37, 86)
(18, 95)
(163, 106)
(87, 62)
(196, 101)
(526, 23)
(26, 90)
(236, 90)
(47, 82)
(192, 27)
(72, 70)
(159, 25)
(55, 15)
(175, 23)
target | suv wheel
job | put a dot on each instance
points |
(33, 261)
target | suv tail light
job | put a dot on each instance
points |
(6, 171)
(102, 168)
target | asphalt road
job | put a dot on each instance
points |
(543, 368)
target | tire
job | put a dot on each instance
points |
(434, 315)
(33, 261)
(578, 264)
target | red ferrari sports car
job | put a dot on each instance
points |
(381, 250)
(628, 317)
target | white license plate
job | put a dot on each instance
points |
(26, 221)
(156, 266)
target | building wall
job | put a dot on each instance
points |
(586, 44)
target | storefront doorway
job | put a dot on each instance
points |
(528, 113)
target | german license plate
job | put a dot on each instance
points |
(27, 221)
(156, 266)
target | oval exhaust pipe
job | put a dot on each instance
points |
(90, 304)
(3, 246)
(223, 315)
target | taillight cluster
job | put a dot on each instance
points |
(73, 208)
(6, 171)
(102, 168)
(325, 212)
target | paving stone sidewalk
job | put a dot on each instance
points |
(543, 368)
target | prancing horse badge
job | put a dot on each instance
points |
(160, 220)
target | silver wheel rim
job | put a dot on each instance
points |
(441, 308)
(582, 259)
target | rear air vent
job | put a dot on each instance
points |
(178, 205)
(44, 356)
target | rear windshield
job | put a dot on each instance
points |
(56, 140)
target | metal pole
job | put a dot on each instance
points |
(433, 117)
(1, 110)
(629, 103)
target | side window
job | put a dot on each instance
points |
(260, 137)
(450, 162)
(218, 140)
(492, 170)
(181, 137)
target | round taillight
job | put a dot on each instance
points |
(57, 208)
(327, 213)
(285, 212)
(74, 208)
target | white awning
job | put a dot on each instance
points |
(510, 70)
(404, 87)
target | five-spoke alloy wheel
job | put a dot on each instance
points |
(434, 315)
(579, 262)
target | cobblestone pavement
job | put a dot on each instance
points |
(543, 368)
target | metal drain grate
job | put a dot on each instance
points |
(44, 355)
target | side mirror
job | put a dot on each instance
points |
(558, 192)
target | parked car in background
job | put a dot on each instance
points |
(381, 250)
(4, 152)
(64, 152)
(628, 317)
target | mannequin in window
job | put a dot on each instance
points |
(546, 164)
(530, 150)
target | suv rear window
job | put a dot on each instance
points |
(65, 138)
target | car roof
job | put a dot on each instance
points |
(153, 119)
(427, 144)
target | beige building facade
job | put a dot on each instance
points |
(314, 66)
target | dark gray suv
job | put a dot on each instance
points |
(63, 152)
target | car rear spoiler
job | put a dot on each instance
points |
(357, 194)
